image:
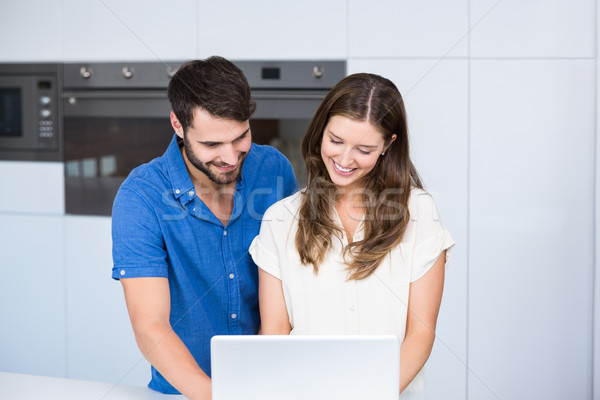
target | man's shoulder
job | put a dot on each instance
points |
(147, 178)
(260, 153)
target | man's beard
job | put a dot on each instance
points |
(224, 178)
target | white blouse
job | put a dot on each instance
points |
(328, 303)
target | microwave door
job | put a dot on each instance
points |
(18, 113)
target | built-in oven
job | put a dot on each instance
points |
(116, 117)
(30, 121)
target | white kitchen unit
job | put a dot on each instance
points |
(32, 288)
(112, 30)
(391, 28)
(32, 187)
(272, 30)
(531, 229)
(533, 28)
(101, 344)
(435, 96)
(30, 31)
(31, 387)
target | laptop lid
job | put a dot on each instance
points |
(305, 367)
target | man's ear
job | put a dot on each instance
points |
(176, 125)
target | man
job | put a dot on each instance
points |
(182, 225)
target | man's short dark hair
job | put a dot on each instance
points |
(215, 85)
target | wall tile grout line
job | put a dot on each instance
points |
(468, 258)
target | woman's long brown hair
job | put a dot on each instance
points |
(386, 189)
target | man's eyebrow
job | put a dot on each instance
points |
(208, 143)
(360, 145)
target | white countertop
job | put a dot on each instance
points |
(31, 387)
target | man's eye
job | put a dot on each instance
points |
(210, 144)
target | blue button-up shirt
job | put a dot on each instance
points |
(161, 228)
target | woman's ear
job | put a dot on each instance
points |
(176, 125)
(394, 136)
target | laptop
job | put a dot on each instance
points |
(305, 367)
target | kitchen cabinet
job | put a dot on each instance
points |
(30, 30)
(440, 153)
(531, 248)
(534, 28)
(270, 29)
(32, 187)
(391, 28)
(32, 288)
(112, 30)
(101, 346)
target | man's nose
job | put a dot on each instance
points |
(230, 155)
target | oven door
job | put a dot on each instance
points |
(107, 134)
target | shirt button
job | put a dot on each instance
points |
(231, 276)
(191, 193)
(233, 316)
(225, 233)
(122, 272)
(177, 191)
(351, 308)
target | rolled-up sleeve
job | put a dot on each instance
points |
(431, 238)
(138, 244)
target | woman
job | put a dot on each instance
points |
(361, 250)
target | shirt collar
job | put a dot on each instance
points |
(182, 186)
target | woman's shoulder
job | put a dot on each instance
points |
(421, 205)
(284, 209)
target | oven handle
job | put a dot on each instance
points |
(150, 104)
(287, 95)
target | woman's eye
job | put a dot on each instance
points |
(364, 152)
(335, 141)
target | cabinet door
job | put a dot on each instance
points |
(436, 105)
(112, 30)
(270, 29)
(534, 28)
(531, 229)
(102, 346)
(32, 187)
(32, 294)
(30, 30)
(403, 28)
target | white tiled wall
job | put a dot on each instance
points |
(272, 29)
(30, 30)
(32, 187)
(101, 342)
(428, 28)
(533, 28)
(32, 295)
(531, 231)
(128, 30)
(501, 104)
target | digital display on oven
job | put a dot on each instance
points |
(11, 112)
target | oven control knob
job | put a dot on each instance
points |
(44, 113)
(85, 72)
(44, 100)
(318, 71)
(171, 72)
(127, 72)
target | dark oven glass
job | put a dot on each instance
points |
(11, 112)
(101, 151)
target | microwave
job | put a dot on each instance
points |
(30, 112)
